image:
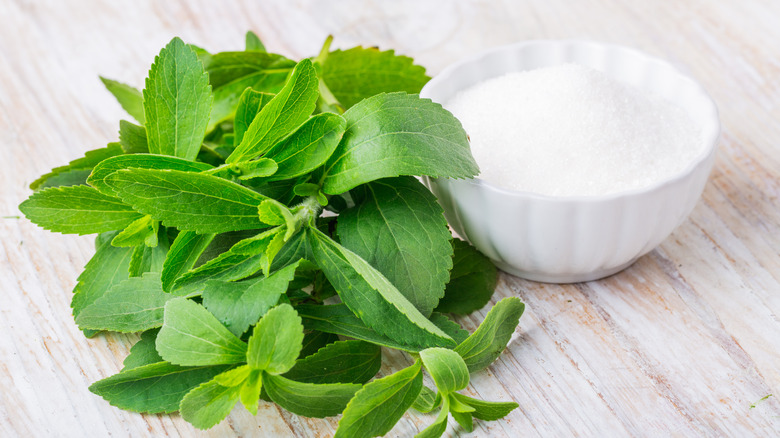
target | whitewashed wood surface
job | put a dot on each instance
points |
(680, 344)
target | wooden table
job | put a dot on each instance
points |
(683, 343)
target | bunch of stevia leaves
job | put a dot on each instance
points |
(213, 242)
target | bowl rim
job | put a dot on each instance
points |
(710, 131)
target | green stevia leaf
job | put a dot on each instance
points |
(77, 210)
(380, 404)
(276, 341)
(308, 147)
(146, 259)
(295, 248)
(427, 401)
(184, 252)
(132, 138)
(398, 134)
(452, 328)
(314, 340)
(133, 305)
(486, 410)
(464, 419)
(240, 304)
(439, 425)
(139, 161)
(491, 337)
(142, 231)
(177, 102)
(73, 172)
(250, 103)
(309, 399)
(458, 406)
(447, 368)
(153, 388)
(250, 391)
(188, 201)
(109, 266)
(358, 73)
(372, 297)
(223, 242)
(192, 336)
(253, 43)
(282, 115)
(143, 352)
(208, 404)
(338, 319)
(261, 167)
(234, 377)
(339, 362)
(398, 227)
(129, 97)
(273, 212)
(472, 280)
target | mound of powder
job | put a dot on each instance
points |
(569, 130)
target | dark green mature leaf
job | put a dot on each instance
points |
(282, 115)
(133, 305)
(313, 340)
(472, 280)
(241, 304)
(74, 172)
(138, 161)
(276, 341)
(447, 369)
(184, 252)
(208, 404)
(372, 297)
(398, 227)
(188, 201)
(339, 362)
(398, 134)
(491, 337)
(358, 73)
(487, 410)
(177, 102)
(191, 336)
(253, 42)
(143, 352)
(133, 138)
(129, 97)
(77, 210)
(250, 103)
(308, 147)
(380, 404)
(309, 399)
(154, 388)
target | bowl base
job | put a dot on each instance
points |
(562, 278)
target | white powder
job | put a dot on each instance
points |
(569, 130)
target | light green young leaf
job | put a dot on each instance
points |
(339, 362)
(143, 352)
(188, 201)
(372, 297)
(417, 137)
(309, 399)
(192, 336)
(234, 377)
(133, 138)
(154, 388)
(77, 210)
(447, 368)
(358, 73)
(241, 304)
(146, 259)
(375, 409)
(76, 171)
(133, 305)
(398, 227)
(308, 147)
(276, 341)
(282, 115)
(253, 43)
(250, 103)
(439, 425)
(129, 97)
(138, 161)
(491, 337)
(463, 418)
(184, 252)
(261, 167)
(486, 410)
(250, 391)
(427, 401)
(208, 404)
(142, 231)
(472, 280)
(177, 102)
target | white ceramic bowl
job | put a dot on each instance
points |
(572, 239)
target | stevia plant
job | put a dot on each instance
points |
(260, 226)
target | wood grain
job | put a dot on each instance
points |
(680, 344)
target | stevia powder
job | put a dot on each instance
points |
(570, 130)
